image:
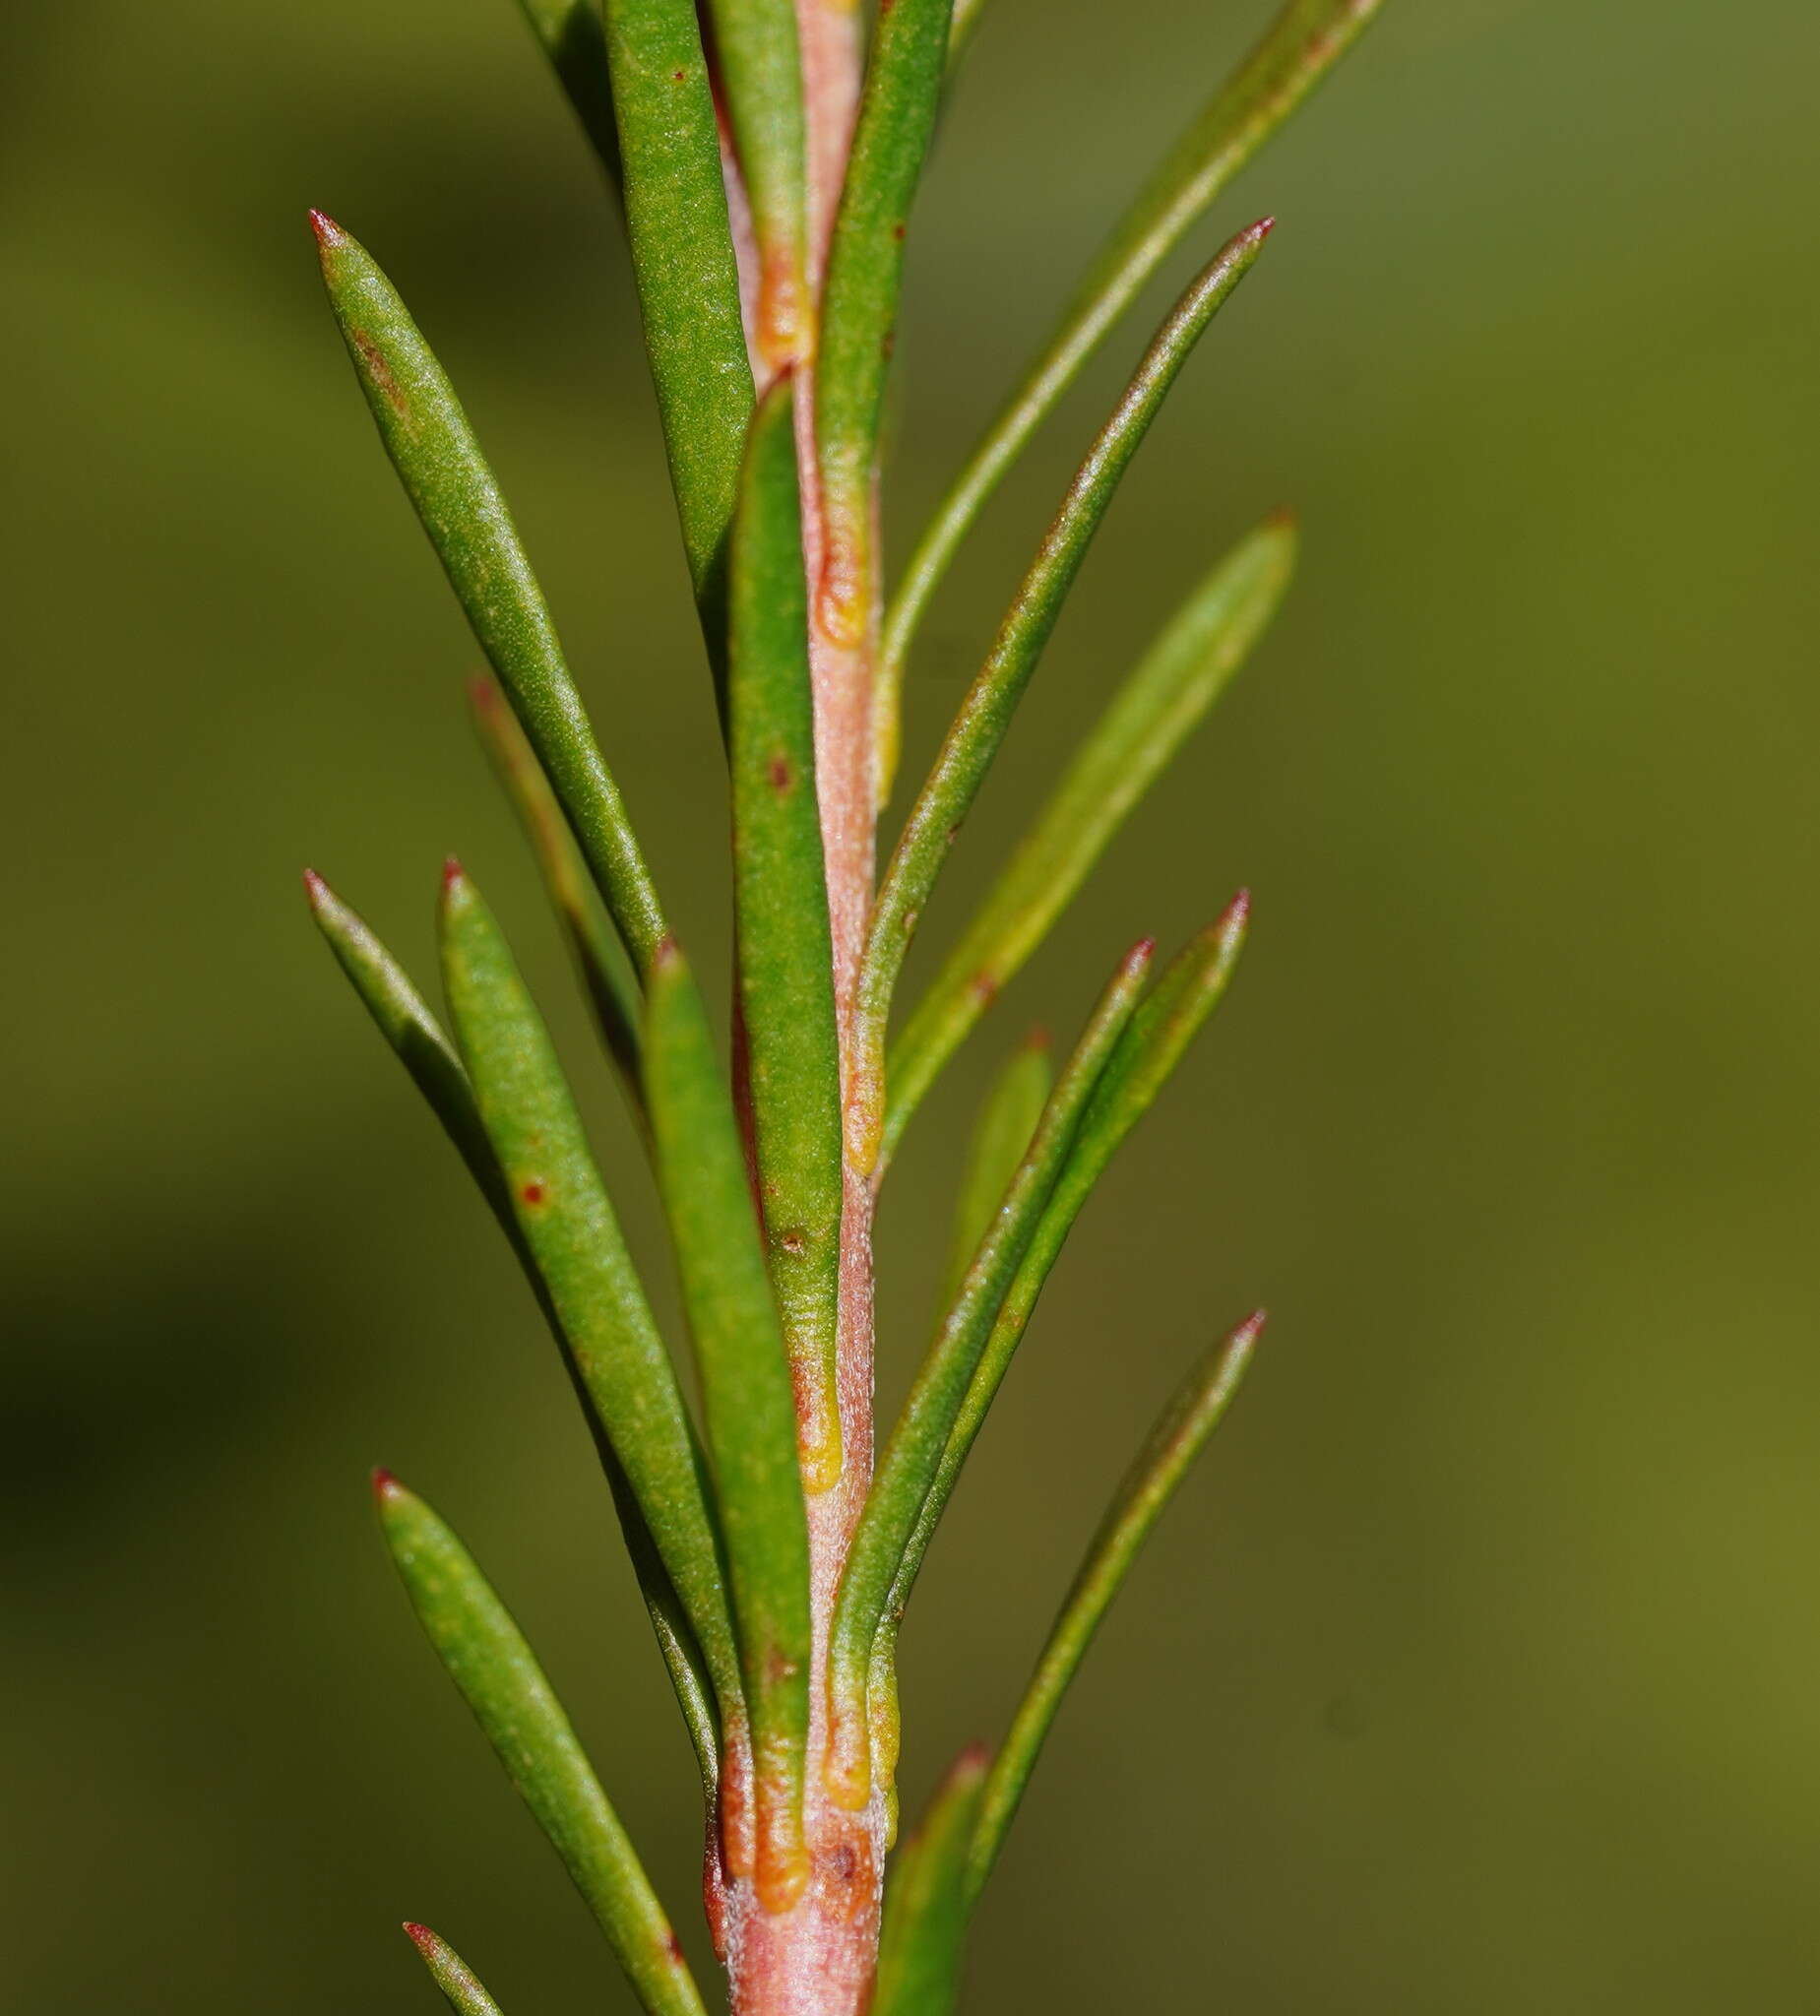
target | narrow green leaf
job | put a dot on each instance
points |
(1303, 44)
(682, 259)
(1151, 1045)
(573, 38)
(759, 67)
(600, 960)
(781, 909)
(979, 730)
(1178, 1438)
(1001, 1138)
(911, 1457)
(414, 1033)
(965, 25)
(860, 302)
(461, 1988)
(748, 1404)
(429, 1057)
(926, 1902)
(567, 1224)
(498, 1676)
(434, 450)
(1149, 718)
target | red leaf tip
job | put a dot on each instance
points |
(421, 1938)
(1039, 1037)
(385, 1484)
(1248, 1331)
(1263, 228)
(329, 233)
(666, 954)
(451, 873)
(1238, 910)
(314, 887)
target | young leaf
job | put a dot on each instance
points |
(860, 305)
(747, 1399)
(433, 449)
(566, 1221)
(431, 1058)
(781, 909)
(1179, 1435)
(414, 1033)
(1001, 1137)
(498, 1675)
(1303, 44)
(1151, 1045)
(599, 957)
(1149, 718)
(460, 1989)
(682, 258)
(914, 1450)
(760, 69)
(979, 730)
(573, 39)
(926, 1901)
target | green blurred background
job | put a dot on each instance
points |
(1476, 1670)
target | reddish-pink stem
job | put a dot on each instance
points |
(818, 1958)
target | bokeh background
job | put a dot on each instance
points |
(1477, 1668)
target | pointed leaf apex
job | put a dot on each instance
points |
(386, 1487)
(315, 888)
(1283, 518)
(1262, 228)
(1236, 913)
(667, 955)
(420, 1936)
(329, 234)
(1039, 1039)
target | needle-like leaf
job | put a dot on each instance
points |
(1302, 46)
(572, 38)
(759, 67)
(1178, 1438)
(414, 1034)
(500, 1680)
(748, 1404)
(912, 1456)
(567, 1224)
(434, 450)
(860, 308)
(966, 22)
(428, 1055)
(682, 258)
(926, 1901)
(980, 729)
(1149, 718)
(1001, 1138)
(460, 1989)
(606, 975)
(781, 909)
(1151, 1045)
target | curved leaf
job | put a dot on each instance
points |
(926, 1901)
(460, 1989)
(980, 729)
(1178, 1438)
(1001, 1138)
(1148, 720)
(781, 911)
(500, 1680)
(433, 449)
(682, 259)
(860, 302)
(1301, 47)
(431, 1058)
(911, 1457)
(599, 957)
(1151, 1045)
(567, 1224)
(748, 1406)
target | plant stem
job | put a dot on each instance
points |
(819, 1957)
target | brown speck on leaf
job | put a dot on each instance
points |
(534, 1193)
(794, 1244)
(897, 230)
(676, 76)
(983, 986)
(779, 775)
(378, 370)
(673, 1946)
